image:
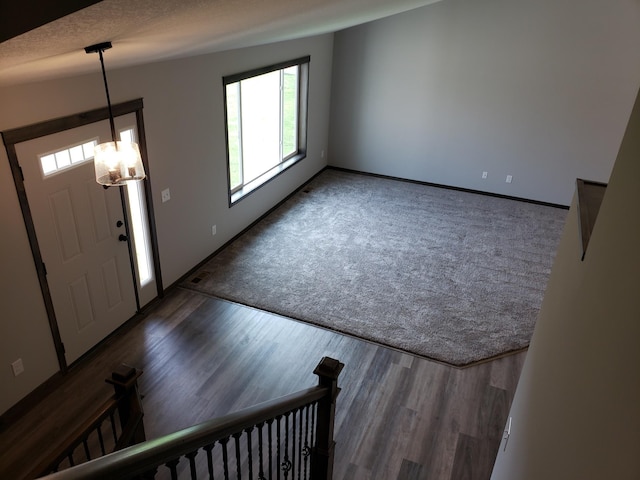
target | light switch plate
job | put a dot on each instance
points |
(17, 367)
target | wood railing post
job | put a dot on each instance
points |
(125, 383)
(328, 371)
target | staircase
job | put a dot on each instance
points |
(290, 438)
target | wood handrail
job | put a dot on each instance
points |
(125, 402)
(90, 424)
(143, 457)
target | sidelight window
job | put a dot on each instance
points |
(139, 225)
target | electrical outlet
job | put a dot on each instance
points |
(509, 178)
(17, 367)
(213, 230)
(166, 195)
(322, 154)
(485, 174)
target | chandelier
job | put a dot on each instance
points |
(116, 163)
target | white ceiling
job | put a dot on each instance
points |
(145, 31)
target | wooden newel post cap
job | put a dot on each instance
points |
(124, 375)
(329, 368)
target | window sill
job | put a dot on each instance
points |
(264, 178)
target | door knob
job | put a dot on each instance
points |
(119, 223)
(123, 238)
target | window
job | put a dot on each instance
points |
(139, 226)
(266, 115)
(72, 156)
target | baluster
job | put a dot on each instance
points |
(101, 439)
(269, 424)
(113, 428)
(87, 453)
(278, 418)
(249, 452)
(260, 459)
(286, 464)
(70, 457)
(209, 449)
(236, 437)
(314, 414)
(306, 451)
(173, 468)
(293, 446)
(225, 457)
(300, 444)
(191, 456)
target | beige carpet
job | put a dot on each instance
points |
(453, 276)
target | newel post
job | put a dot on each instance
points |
(328, 371)
(125, 383)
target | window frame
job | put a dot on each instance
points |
(60, 169)
(138, 222)
(245, 189)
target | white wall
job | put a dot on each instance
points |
(539, 90)
(185, 136)
(576, 411)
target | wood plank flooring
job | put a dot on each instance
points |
(398, 416)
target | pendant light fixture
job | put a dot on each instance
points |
(116, 162)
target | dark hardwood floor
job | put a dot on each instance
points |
(398, 416)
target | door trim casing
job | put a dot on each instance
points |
(48, 127)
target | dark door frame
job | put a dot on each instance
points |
(22, 134)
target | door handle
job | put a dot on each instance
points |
(119, 223)
(123, 238)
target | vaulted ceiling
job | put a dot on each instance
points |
(43, 39)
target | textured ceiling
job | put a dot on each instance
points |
(144, 31)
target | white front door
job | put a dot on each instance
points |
(79, 225)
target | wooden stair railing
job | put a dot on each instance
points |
(287, 438)
(115, 425)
